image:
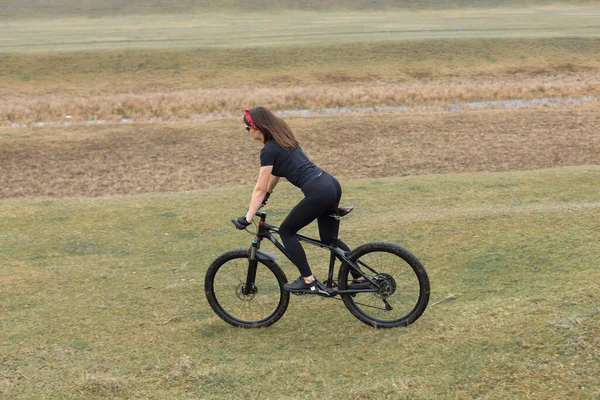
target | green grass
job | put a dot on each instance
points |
(103, 298)
(256, 29)
(401, 61)
(98, 8)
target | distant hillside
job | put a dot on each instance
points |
(99, 8)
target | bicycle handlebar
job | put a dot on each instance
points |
(262, 215)
(238, 225)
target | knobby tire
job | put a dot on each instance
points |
(223, 291)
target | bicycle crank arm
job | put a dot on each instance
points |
(322, 293)
(353, 291)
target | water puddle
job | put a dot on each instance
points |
(496, 104)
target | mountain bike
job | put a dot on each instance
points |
(382, 284)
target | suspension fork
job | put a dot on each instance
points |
(250, 287)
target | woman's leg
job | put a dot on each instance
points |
(303, 214)
(328, 225)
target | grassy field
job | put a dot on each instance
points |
(106, 230)
(103, 298)
(177, 67)
(27, 9)
(256, 29)
(181, 84)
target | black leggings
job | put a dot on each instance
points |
(322, 194)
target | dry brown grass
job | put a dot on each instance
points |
(174, 84)
(125, 159)
(187, 104)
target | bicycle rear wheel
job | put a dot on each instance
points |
(403, 294)
(224, 286)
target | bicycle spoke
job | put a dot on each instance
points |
(366, 266)
(366, 305)
(399, 288)
(230, 282)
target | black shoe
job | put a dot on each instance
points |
(299, 286)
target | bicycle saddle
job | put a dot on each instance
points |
(340, 212)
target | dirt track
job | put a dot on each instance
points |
(126, 159)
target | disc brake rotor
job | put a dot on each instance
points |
(239, 292)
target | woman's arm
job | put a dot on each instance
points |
(262, 184)
(273, 180)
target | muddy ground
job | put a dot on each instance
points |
(126, 159)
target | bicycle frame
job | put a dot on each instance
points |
(265, 231)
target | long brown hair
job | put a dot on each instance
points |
(272, 127)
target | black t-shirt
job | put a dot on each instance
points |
(293, 165)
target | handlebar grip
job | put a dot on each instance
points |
(238, 225)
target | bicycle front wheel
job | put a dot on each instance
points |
(403, 292)
(225, 283)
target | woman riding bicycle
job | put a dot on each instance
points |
(282, 156)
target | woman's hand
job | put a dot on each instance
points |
(243, 222)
